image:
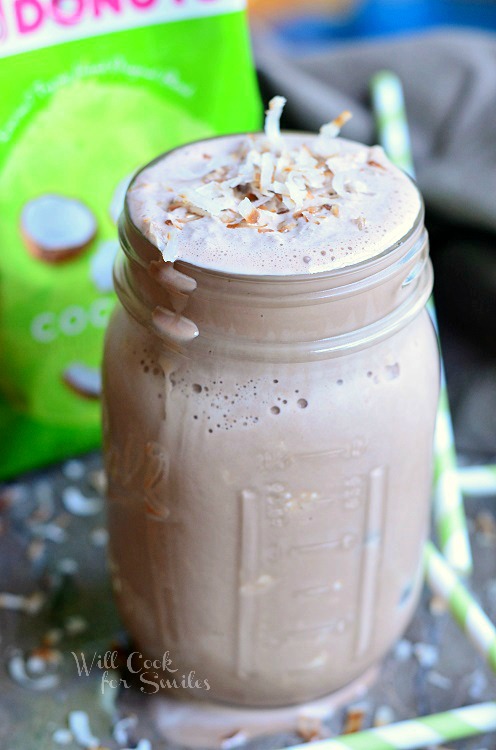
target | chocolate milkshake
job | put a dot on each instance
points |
(271, 383)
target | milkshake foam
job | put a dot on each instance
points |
(272, 203)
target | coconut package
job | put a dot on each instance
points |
(91, 90)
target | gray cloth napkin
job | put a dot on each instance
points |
(449, 78)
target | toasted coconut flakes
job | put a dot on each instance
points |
(332, 129)
(355, 717)
(373, 163)
(273, 117)
(263, 179)
(247, 211)
(377, 157)
(297, 189)
(267, 168)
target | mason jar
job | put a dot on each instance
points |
(269, 478)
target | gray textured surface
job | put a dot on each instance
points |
(28, 718)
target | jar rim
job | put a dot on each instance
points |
(353, 268)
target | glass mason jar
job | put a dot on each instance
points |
(269, 479)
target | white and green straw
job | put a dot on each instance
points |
(449, 514)
(436, 729)
(390, 117)
(478, 481)
(425, 731)
(474, 622)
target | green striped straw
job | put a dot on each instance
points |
(478, 481)
(470, 617)
(426, 731)
(449, 514)
(390, 117)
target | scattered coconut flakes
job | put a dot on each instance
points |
(427, 655)
(62, 736)
(310, 728)
(360, 222)
(122, 728)
(16, 667)
(478, 685)
(235, 739)
(31, 604)
(98, 481)
(99, 537)
(52, 532)
(79, 725)
(403, 650)
(52, 637)
(355, 717)
(75, 625)
(79, 505)
(36, 550)
(438, 605)
(143, 744)
(13, 494)
(439, 680)
(383, 716)
(73, 469)
(67, 566)
(485, 525)
(45, 501)
(41, 658)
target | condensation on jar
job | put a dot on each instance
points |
(269, 478)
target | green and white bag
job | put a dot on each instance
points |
(91, 90)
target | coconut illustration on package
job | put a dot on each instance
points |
(56, 228)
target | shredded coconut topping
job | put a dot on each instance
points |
(267, 185)
(339, 200)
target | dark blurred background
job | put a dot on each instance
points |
(311, 36)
